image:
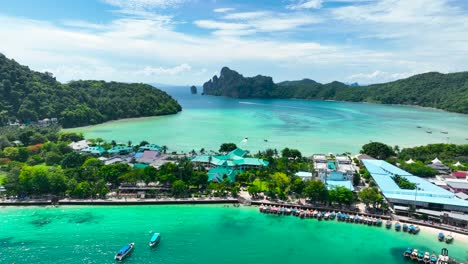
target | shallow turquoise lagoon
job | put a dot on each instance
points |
(311, 126)
(197, 234)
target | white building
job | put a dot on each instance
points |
(304, 175)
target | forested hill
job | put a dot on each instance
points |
(444, 91)
(27, 95)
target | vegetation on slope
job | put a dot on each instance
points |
(444, 91)
(30, 96)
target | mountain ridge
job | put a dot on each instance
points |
(432, 89)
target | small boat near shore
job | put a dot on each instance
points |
(397, 226)
(388, 224)
(154, 239)
(449, 239)
(414, 254)
(408, 252)
(427, 257)
(405, 228)
(441, 236)
(124, 252)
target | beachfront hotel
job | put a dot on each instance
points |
(228, 165)
(334, 172)
(425, 196)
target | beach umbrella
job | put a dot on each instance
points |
(436, 160)
(457, 164)
(410, 161)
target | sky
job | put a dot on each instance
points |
(185, 42)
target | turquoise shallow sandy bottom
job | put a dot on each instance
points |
(197, 234)
(310, 126)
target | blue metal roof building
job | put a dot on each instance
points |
(425, 195)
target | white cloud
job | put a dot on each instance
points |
(377, 76)
(145, 46)
(305, 4)
(247, 15)
(249, 23)
(223, 10)
(144, 4)
(148, 70)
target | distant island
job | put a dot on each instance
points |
(27, 96)
(443, 91)
(193, 89)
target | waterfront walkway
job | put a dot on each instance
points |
(122, 201)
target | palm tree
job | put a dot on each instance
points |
(113, 143)
(99, 141)
(202, 151)
(164, 149)
(129, 143)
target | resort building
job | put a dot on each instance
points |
(79, 145)
(460, 174)
(230, 164)
(122, 150)
(334, 172)
(448, 218)
(113, 161)
(304, 175)
(457, 185)
(147, 156)
(441, 168)
(426, 195)
(152, 147)
(98, 150)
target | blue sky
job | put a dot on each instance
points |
(186, 42)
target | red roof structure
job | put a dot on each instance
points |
(460, 174)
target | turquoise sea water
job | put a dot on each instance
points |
(311, 126)
(197, 234)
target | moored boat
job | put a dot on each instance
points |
(379, 222)
(420, 256)
(443, 257)
(411, 229)
(414, 254)
(124, 252)
(154, 239)
(388, 224)
(397, 226)
(427, 257)
(449, 239)
(408, 252)
(332, 215)
(433, 259)
(440, 236)
(405, 227)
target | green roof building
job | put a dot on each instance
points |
(98, 150)
(229, 165)
(218, 174)
(153, 147)
(120, 150)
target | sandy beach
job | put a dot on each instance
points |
(457, 237)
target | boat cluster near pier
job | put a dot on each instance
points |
(332, 215)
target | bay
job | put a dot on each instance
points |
(197, 234)
(308, 125)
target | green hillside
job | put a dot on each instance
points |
(28, 96)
